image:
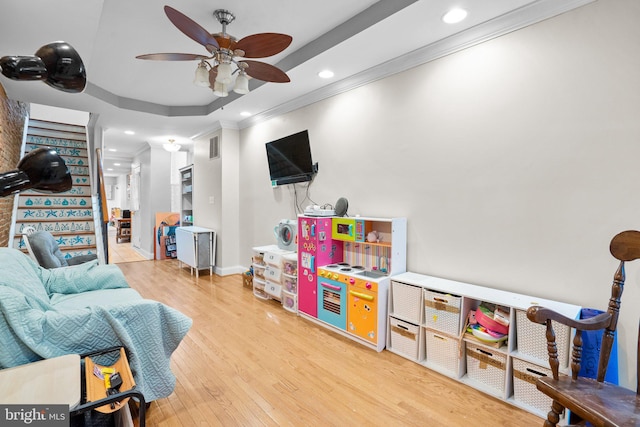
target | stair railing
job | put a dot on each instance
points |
(102, 202)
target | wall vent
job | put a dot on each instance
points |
(214, 148)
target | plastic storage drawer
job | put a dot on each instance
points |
(272, 274)
(290, 283)
(258, 288)
(273, 258)
(273, 289)
(258, 271)
(289, 301)
(290, 264)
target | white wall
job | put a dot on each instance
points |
(155, 196)
(515, 161)
(119, 192)
(207, 188)
(216, 200)
(57, 114)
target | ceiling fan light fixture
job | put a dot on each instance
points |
(242, 84)
(172, 147)
(226, 54)
(220, 89)
(202, 76)
(224, 73)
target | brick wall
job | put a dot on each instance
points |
(12, 115)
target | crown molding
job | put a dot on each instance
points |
(505, 24)
(219, 125)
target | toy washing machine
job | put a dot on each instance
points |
(287, 234)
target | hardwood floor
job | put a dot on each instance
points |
(248, 362)
(121, 251)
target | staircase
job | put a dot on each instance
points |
(68, 216)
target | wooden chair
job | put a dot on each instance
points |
(592, 400)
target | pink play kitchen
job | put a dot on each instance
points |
(344, 265)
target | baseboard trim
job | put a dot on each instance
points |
(147, 255)
(227, 271)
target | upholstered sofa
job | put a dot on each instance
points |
(80, 309)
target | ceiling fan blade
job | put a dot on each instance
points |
(263, 44)
(266, 72)
(191, 29)
(172, 56)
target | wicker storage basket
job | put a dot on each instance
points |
(404, 338)
(442, 312)
(532, 341)
(487, 366)
(525, 375)
(406, 301)
(443, 351)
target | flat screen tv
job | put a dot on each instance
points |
(290, 159)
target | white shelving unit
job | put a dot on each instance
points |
(433, 335)
(186, 196)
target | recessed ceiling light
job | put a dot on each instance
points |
(129, 132)
(116, 164)
(325, 74)
(109, 169)
(454, 16)
(245, 114)
(112, 149)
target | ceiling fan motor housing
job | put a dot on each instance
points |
(224, 17)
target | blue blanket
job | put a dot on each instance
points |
(80, 309)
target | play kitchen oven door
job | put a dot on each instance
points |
(362, 303)
(332, 302)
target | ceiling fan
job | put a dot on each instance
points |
(216, 70)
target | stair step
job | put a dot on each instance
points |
(80, 180)
(54, 201)
(68, 253)
(69, 216)
(56, 137)
(82, 214)
(66, 242)
(78, 170)
(57, 227)
(77, 190)
(74, 160)
(63, 151)
(45, 124)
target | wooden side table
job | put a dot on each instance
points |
(59, 381)
(95, 392)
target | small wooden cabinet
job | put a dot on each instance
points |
(123, 229)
